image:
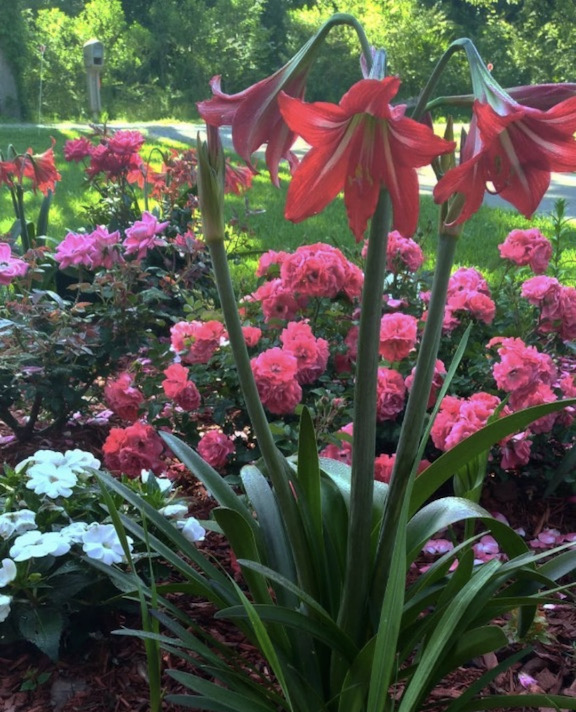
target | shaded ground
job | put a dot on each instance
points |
(109, 673)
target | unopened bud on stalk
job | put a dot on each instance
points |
(211, 185)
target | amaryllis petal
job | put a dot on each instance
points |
(360, 146)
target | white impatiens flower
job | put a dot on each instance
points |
(101, 542)
(174, 511)
(53, 480)
(76, 460)
(16, 522)
(74, 532)
(191, 529)
(5, 602)
(164, 484)
(8, 572)
(35, 545)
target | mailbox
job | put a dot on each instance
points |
(94, 63)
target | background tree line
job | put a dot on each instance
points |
(160, 54)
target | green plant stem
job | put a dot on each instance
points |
(22, 217)
(278, 469)
(358, 565)
(410, 434)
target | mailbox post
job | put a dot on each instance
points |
(94, 63)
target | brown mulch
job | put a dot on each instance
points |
(110, 674)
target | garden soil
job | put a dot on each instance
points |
(108, 672)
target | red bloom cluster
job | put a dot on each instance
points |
(39, 168)
(115, 155)
(402, 253)
(130, 450)
(196, 341)
(275, 372)
(123, 398)
(177, 387)
(215, 447)
(557, 305)
(527, 247)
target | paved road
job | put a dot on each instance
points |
(563, 185)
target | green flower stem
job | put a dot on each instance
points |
(410, 434)
(278, 469)
(352, 616)
(21, 212)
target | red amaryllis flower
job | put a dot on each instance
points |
(359, 146)
(40, 168)
(254, 117)
(515, 148)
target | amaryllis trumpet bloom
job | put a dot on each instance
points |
(360, 146)
(40, 168)
(511, 146)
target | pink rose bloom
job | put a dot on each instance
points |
(515, 451)
(521, 368)
(275, 375)
(311, 353)
(467, 279)
(270, 259)
(77, 149)
(527, 247)
(318, 270)
(437, 381)
(403, 253)
(215, 447)
(398, 334)
(353, 281)
(383, 466)
(196, 341)
(123, 398)
(105, 248)
(252, 335)
(537, 395)
(130, 450)
(277, 301)
(143, 235)
(568, 310)
(460, 417)
(10, 267)
(391, 394)
(75, 249)
(177, 387)
(342, 451)
(126, 142)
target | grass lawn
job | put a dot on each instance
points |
(260, 212)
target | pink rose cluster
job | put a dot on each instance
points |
(527, 247)
(468, 293)
(215, 447)
(402, 253)
(311, 353)
(437, 381)
(130, 450)
(197, 341)
(398, 334)
(459, 418)
(557, 305)
(10, 267)
(99, 248)
(311, 271)
(275, 372)
(179, 388)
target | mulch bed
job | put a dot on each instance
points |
(110, 674)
